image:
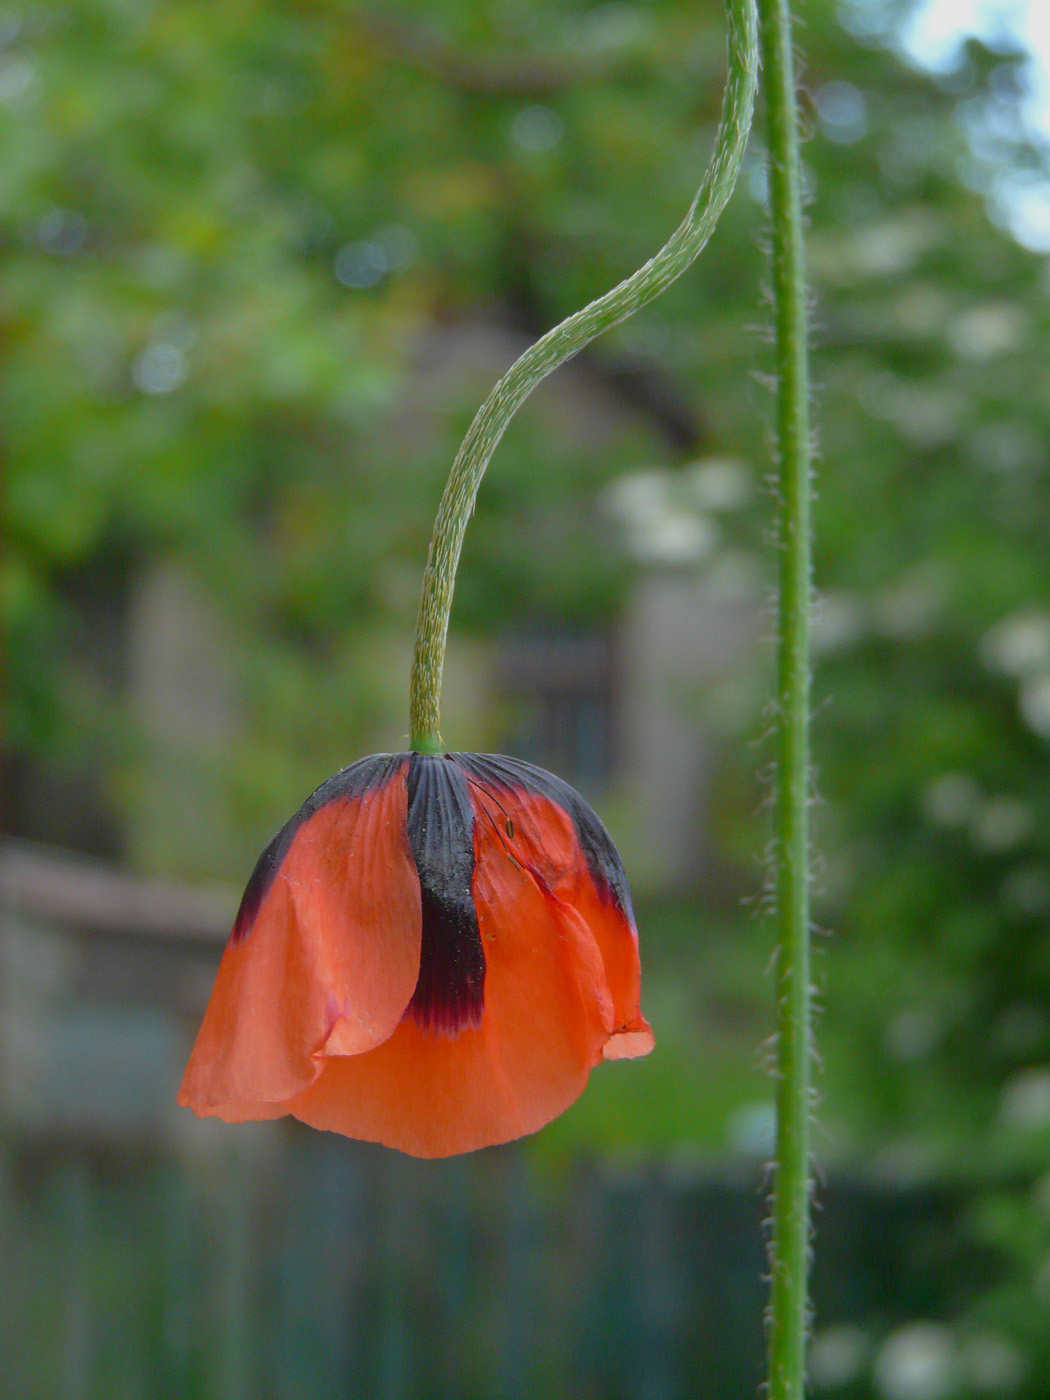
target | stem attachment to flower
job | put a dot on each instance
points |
(557, 346)
(790, 1241)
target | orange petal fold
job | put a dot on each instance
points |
(564, 841)
(326, 968)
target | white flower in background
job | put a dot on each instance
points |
(838, 1356)
(536, 128)
(1035, 705)
(361, 265)
(987, 330)
(1025, 1100)
(665, 514)
(159, 369)
(950, 799)
(841, 110)
(926, 416)
(163, 364)
(718, 483)
(1018, 645)
(17, 78)
(893, 246)
(838, 621)
(1001, 823)
(674, 538)
(639, 495)
(917, 1362)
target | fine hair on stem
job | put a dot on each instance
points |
(552, 350)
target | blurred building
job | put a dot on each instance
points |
(102, 978)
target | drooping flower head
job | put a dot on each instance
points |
(433, 954)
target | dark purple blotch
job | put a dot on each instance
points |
(450, 992)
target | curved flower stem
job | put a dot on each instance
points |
(789, 1247)
(557, 346)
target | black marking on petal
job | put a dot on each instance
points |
(450, 992)
(603, 859)
(354, 781)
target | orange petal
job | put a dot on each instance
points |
(614, 931)
(546, 837)
(328, 965)
(547, 1015)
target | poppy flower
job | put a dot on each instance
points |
(433, 954)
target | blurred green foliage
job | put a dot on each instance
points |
(232, 235)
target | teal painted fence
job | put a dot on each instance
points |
(332, 1269)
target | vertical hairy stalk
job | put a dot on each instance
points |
(557, 346)
(789, 1246)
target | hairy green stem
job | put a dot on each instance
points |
(790, 1242)
(557, 346)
